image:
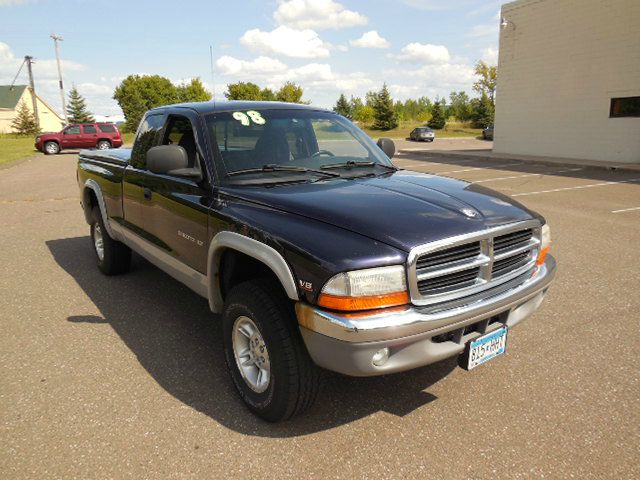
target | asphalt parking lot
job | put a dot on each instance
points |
(124, 377)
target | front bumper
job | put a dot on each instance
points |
(415, 336)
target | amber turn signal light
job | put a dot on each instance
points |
(335, 302)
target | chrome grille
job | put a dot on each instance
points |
(454, 268)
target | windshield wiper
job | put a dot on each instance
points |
(352, 164)
(281, 168)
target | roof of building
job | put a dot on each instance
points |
(10, 96)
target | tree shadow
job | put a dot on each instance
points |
(177, 339)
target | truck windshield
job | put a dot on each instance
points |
(257, 144)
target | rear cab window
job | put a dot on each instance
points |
(89, 129)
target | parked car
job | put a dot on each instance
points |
(315, 249)
(86, 135)
(487, 133)
(422, 134)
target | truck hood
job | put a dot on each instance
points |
(404, 209)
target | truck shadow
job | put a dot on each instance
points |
(177, 340)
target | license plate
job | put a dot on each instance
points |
(484, 348)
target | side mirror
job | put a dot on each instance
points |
(387, 146)
(171, 160)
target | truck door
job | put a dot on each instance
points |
(176, 210)
(70, 137)
(89, 136)
(135, 181)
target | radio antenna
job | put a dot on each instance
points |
(213, 85)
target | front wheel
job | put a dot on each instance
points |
(113, 257)
(51, 148)
(268, 362)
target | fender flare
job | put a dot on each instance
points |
(253, 248)
(93, 185)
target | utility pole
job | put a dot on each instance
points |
(56, 39)
(29, 60)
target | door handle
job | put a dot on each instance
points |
(147, 193)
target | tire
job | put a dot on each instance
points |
(103, 145)
(291, 385)
(51, 148)
(112, 256)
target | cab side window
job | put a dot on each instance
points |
(145, 139)
(179, 132)
(74, 130)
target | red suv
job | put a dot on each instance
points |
(86, 135)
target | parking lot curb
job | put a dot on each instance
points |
(459, 155)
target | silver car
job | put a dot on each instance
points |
(422, 134)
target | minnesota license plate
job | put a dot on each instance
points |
(484, 348)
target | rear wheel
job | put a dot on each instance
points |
(51, 148)
(113, 257)
(265, 353)
(103, 145)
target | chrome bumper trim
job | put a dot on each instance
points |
(394, 324)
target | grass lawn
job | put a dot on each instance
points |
(451, 130)
(15, 147)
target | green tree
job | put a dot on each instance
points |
(384, 114)
(343, 107)
(290, 92)
(25, 121)
(267, 95)
(460, 106)
(483, 111)
(364, 114)
(137, 94)
(486, 84)
(193, 91)
(438, 119)
(243, 91)
(77, 109)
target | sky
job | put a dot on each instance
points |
(418, 47)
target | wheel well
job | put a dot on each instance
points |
(52, 141)
(89, 200)
(103, 140)
(237, 267)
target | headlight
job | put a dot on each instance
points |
(37, 139)
(365, 289)
(545, 244)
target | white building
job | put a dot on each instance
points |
(569, 80)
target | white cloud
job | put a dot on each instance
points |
(286, 41)
(424, 53)
(8, 3)
(260, 66)
(371, 40)
(317, 14)
(484, 30)
(446, 76)
(490, 55)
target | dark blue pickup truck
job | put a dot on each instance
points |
(314, 247)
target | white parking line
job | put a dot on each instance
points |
(625, 210)
(576, 188)
(488, 167)
(528, 175)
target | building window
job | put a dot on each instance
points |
(625, 107)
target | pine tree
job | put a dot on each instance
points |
(343, 107)
(77, 110)
(437, 116)
(483, 111)
(384, 114)
(25, 121)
